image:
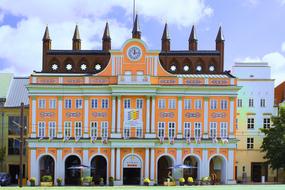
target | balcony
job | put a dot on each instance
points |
(134, 79)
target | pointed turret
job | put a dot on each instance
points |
(136, 29)
(165, 40)
(193, 45)
(220, 46)
(106, 40)
(46, 45)
(76, 41)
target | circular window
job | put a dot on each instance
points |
(199, 68)
(54, 67)
(83, 67)
(173, 68)
(97, 67)
(68, 67)
(186, 68)
(211, 68)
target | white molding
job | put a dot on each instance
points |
(153, 114)
(119, 114)
(118, 164)
(147, 114)
(34, 116)
(206, 113)
(113, 162)
(179, 118)
(86, 121)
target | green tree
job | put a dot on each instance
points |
(273, 144)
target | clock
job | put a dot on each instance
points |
(134, 53)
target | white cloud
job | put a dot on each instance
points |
(21, 46)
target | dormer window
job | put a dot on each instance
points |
(97, 67)
(173, 68)
(68, 67)
(83, 67)
(198, 68)
(54, 67)
(212, 68)
(186, 68)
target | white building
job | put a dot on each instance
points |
(255, 106)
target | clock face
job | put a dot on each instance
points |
(134, 53)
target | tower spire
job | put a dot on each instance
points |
(136, 28)
(106, 40)
(165, 40)
(46, 34)
(220, 46)
(76, 41)
(220, 35)
(193, 40)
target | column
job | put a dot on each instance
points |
(33, 166)
(118, 164)
(179, 135)
(152, 164)
(86, 109)
(59, 171)
(119, 117)
(179, 161)
(113, 114)
(59, 118)
(232, 106)
(153, 116)
(113, 162)
(146, 163)
(34, 116)
(205, 133)
(230, 168)
(204, 166)
(85, 159)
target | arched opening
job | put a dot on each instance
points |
(99, 169)
(132, 167)
(193, 162)
(217, 169)
(163, 169)
(46, 166)
(72, 175)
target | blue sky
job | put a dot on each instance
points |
(254, 30)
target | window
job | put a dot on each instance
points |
(266, 123)
(41, 129)
(250, 123)
(171, 104)
(198, 104)
(187, 130)
(262, 103)
(14, 147)
(236, 123)
(126, 132)
(78, 104)
(67, 104)
(94, 129)
(250, 142)
(105, 103)
(52, 104)
(104, 129)
(171, 130)
(51, 129)
(224, 104)
(139, 103)
(139, 132)
(224, 130)
(78, 129)
(13, 128)
(127, 103)
(239, 103)
(161, 129)
(197, 130)
(213, 104)
(94, 103)
(250, 102)
(67, 129)
(213, 130)
(42, 104)
(187, 104)
(161, 103)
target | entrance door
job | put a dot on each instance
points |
(14, 171)
(72, 176)
(132, 176)
(258, 170)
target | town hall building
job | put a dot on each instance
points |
(132, 113)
